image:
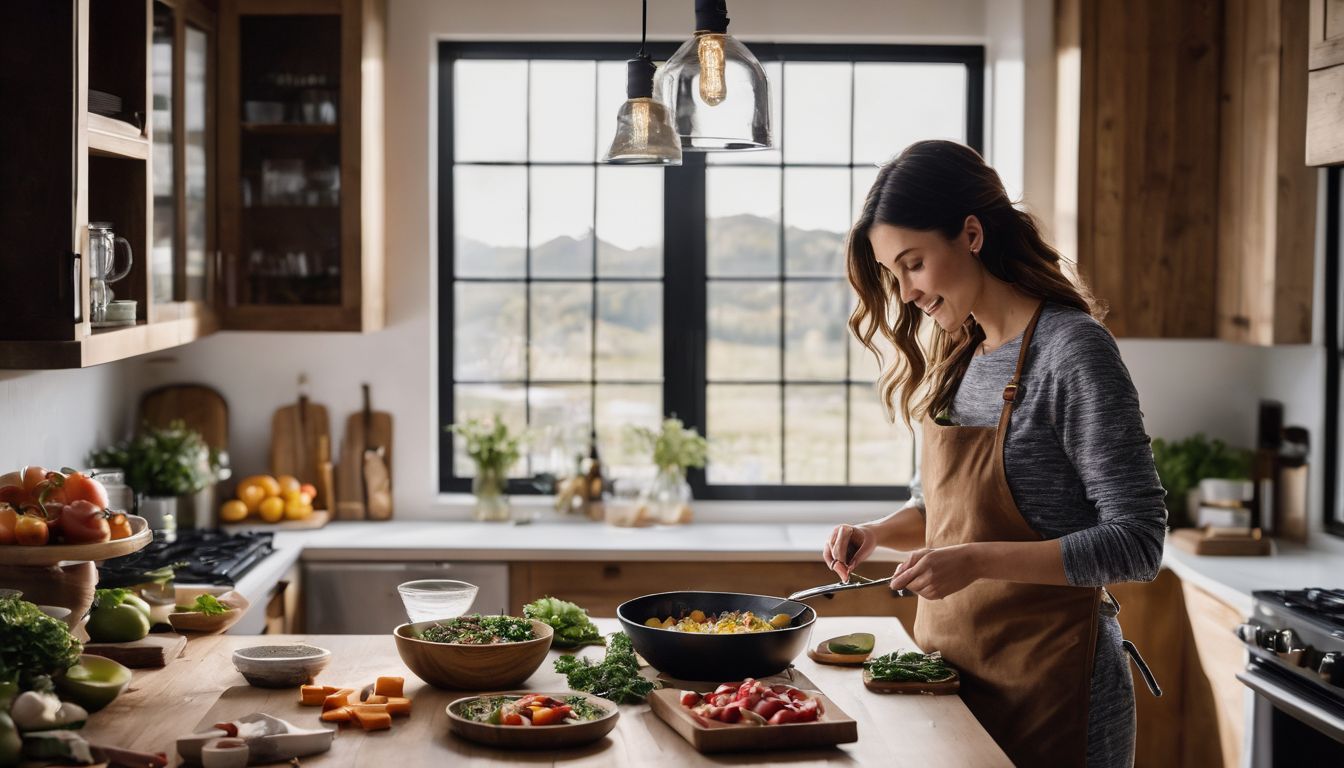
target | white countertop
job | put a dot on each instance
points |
(1233, 579)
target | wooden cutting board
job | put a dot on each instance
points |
(318, 519)
(834, 727)
(350, 470)
(937, 688)
(154, 650)
(297, 433)
(202, 408)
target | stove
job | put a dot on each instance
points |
(1295, 642)
(210, 557)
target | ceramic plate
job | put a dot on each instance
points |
(533, 737)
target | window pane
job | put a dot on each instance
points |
(489, 332)
(485, 401)
(816, 112)
(742, 231)
(165, 201)
(814, 429)
(630, 331)
(558, 410)
(815, 331)
(816, 218)
(489, 111)
(743, 331)
(561, 115)
(610, 97)
(862, 365)
(562, 317)
(743, 428)
(759, 156)
(562, 221)
(879, 453)
(489, 221)
(864, 176)
(197, 183)
(896, 105)
(629, 222)
(619, 407)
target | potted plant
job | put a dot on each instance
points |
(1181, 464)
(172, 472)
(675, 448)
(494, 450)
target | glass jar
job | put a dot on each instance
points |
(669, 496)
(113, 480)
(489, 485)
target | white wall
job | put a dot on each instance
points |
(1185, 386)
(54, 418)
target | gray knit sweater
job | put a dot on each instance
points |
(1080, 467)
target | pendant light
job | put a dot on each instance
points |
(644, 132)
(717, 90)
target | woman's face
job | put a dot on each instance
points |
(938, 276)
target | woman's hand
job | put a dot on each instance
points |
(848, 546)
(936, 573)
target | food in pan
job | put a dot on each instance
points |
(726, 623)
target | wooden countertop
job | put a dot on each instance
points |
(161, 705)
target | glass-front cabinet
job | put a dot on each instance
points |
(300, 226)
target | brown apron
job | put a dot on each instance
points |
(1024, 651)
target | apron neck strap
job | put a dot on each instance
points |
(1011, 392)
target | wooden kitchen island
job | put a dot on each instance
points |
(202, 687)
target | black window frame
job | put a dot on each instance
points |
(684, 227)
(1333, 521)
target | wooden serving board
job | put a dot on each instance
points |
(318, 519)
(1196, 541)
(154, 650)
(297, 434)
(53, 554)
(938, 688)
(350, 469)
(823, 656)
(200, 407)
(834, 727)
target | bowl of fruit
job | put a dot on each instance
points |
(47, 517)
(268, 501)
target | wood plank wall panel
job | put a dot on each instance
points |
(1149, 163)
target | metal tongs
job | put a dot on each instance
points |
(855, 582)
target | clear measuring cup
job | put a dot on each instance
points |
(103, 244)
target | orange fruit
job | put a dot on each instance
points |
(250, 496)
(233, 511)
(288, 483)
(272, 509)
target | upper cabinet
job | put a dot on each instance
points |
(300, 198)
(82, 83)
(1195, 211)
(1325, 88)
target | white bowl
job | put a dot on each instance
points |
(280, 666)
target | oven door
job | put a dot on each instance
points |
(1290, 725)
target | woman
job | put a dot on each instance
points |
(1036, 485)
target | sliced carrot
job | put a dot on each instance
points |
(330, 689)
(375, 699)
(338, 715)
(389, 686)
(312, 695)
(398, 706)
(338, 699)
(372, 717)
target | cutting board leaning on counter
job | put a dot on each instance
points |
(1036, 486)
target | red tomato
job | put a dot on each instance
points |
(690, 698)
(120, 526)
(84, 523)
(31, 530)
(8, 519)
(78, 486)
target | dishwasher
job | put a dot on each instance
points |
(360, 598)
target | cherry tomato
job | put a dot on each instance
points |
(84, 523)
(119, 526)
(31, 530)
(77, 486)
(8, 519)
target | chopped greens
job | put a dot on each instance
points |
(572, 626)
(207, 604)
(584, 709)
(32, 644)
(481, 709)
(911, 666)
(475, 629)
(616, 677)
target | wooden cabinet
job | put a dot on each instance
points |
(300, 152)
(1325, 83)
(76, 80)
(1195, 214)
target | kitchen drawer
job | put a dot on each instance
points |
(601, 586)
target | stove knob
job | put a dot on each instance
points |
(1250, 634)
(1331, 667)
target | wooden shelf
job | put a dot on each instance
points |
(105, 345)
(291, 129)
(113, 138)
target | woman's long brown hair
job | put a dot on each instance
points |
(934, 186)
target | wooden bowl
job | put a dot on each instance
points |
(534, 737)
(53, 554)
(467, 667)
(211, 624)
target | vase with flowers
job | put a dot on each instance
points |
(494, 450)
(675, 448)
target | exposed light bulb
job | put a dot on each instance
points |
(713, 85)
(639, 121)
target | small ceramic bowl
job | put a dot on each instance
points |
(280, 666)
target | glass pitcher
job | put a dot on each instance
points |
(103, 244)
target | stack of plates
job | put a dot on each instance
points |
(101, 103)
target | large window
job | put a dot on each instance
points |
(577, 297)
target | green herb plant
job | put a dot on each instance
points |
(572, 626)
(1181, 464)
(674, 446)
(910, 666)
(173, 461)
(616, 677)
(206, 604)
(33, 645)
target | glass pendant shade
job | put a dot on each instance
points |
(718, 94)
(644, 135)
